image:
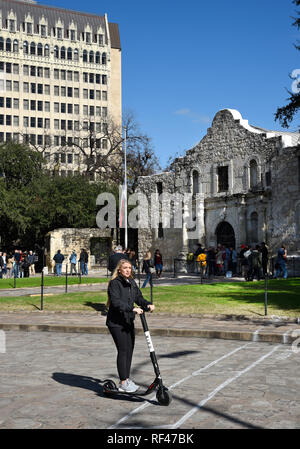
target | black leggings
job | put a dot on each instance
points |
(124, 341)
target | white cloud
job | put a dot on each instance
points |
(194, 116)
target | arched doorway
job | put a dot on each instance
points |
(225, 234)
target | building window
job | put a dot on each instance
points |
(195, 186)
(223, 184)
(254, 227)
(43, 30)
(28, 27)
(63, 74)
(97, 59)
(8, 45)
(25, 48)
(12, 25)
(46, 50)
(72, 35)
(91, 56)
(104, 58)
(84, 56)
(32, 48)
(253, 174)
(76, 54)
(69, 54)
(16, 46)
(40, 50)
(56, 52)
(268, 178)
(47, 106)
(59, 33)
(63, 53)
(1, 43)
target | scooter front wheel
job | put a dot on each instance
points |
(163, 396)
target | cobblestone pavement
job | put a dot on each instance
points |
(53, 380)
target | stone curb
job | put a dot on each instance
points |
(266, 337)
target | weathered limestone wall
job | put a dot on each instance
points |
(67, 239)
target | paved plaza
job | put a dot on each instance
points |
(53, 380)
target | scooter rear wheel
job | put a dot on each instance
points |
(163, 396)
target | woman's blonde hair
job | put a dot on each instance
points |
(147, 255)
(117, 272)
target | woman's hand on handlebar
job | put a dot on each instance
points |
(151, 307)
(138, 310)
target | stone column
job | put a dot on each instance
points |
(242, 216)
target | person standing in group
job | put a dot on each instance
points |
(58, 259)
(73, 262)
(9, 267)
(148, 268)
(264, 258)
(281, 264)
(115, 257)
(132, 259)
(233, 261)
(83, 259)
(31, 260)
(123, 294)
(158, 263)
(1, 265)
(17, 262)
(220, 260)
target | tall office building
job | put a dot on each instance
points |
(60, 80)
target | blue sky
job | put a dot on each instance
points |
(184, 61)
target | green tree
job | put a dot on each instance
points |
(19, 165)
(286, 114)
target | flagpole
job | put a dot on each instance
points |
(125, 185)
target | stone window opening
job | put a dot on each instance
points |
(254, 227)
(223, 181)
(253, 174)
(195, 182)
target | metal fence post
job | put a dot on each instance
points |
(66, 278)
(266, 294)
(151, 289)
(139, 272)
(42, 290)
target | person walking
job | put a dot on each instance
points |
(73, 262)
(281, 264)
(123, 294)
(158, 263)
(58, 259)
(148, 268)
(1, 265)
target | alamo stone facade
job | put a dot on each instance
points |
(247, 181)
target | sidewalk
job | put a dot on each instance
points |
(264, 329)
(273, 330)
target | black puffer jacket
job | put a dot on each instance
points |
(123, 295)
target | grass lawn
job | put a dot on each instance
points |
(49, 281)
(239, 298)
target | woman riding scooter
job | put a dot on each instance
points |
(123, 292)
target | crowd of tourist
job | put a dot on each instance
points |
(250, 262)
(18, 264)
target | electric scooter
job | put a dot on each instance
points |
(163, 395)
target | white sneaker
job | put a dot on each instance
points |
(126, 387)
(133, 384)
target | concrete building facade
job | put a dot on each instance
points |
(60, 77)
(244, 182)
